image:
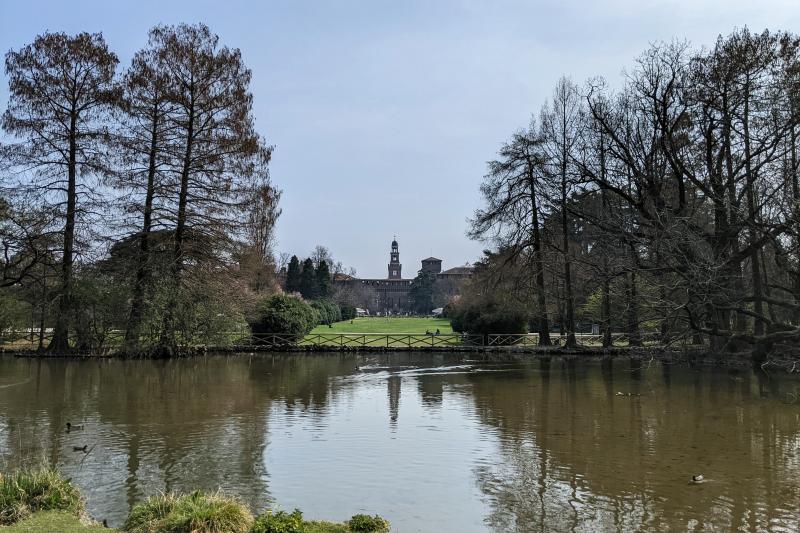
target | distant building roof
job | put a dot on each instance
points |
(431, 259)
(339, 276)
(457, 271)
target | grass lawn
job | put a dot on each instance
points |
(386, 326)
(51, 521)
(393, 325)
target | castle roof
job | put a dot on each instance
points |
(457, 271)
(431, 259)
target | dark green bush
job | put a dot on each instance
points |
(26, 492)
(487, 316)
(316, 317)
(284, 314)
(328, 311)
(280, 522)
(363, 523)
(348, 312)
(321, 310)
(190, 513)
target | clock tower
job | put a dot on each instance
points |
(395, 267)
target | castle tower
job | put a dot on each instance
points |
(432, 265)
(395, 267)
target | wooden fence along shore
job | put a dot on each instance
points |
(420, 340)
(235, 342)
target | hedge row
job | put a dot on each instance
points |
(292, 316)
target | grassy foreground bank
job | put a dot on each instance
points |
(61, 521)
(40, 501)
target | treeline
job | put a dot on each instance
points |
(311, 279)
(668, 208)
(136, 200)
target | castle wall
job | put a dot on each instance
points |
(391, 295)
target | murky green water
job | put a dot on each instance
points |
(434, 443)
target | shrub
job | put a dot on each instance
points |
(284, 314)
(328, 311)
(336, 313)
(486, 317)
(363, 523)
(190, 513)
(12, 313)
(323, 317)
(280, 522)
(348, 312)
(26, 492)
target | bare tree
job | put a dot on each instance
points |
(559, 126)
(147, 139)
(512, 215)
(209, 86)
(674, 199)
(61, 88)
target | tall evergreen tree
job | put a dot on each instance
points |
(421, 293)
(323, 275)
(308, 280)
(292, 276)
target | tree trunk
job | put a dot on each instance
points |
(60, 340)
(664, 327)
(740, 320)
(765, 282)
(758, 290)
(568, 303)
(538, 262)
(133, 331)
(606, 305)
(634, 335)
(42, 310)
(606, 312)
(168, 332)
(796, 213)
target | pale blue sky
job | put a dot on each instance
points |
(384, 113)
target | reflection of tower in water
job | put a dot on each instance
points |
(393, 384)
(430, 389)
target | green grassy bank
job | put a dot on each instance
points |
(40, 501)
(50, 521)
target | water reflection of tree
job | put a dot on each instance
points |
(431, 389)
(158, 425)
(576, 456)
(572, 453)
(300, 382)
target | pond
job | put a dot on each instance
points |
(433, 442)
